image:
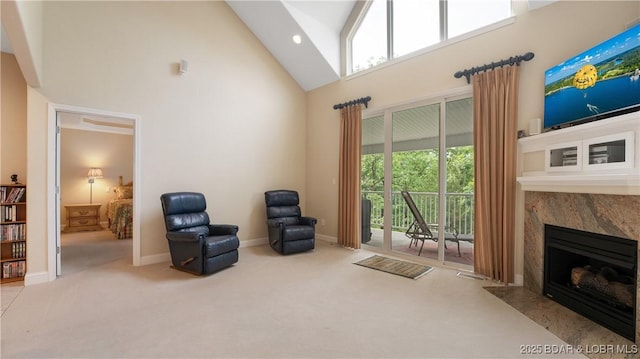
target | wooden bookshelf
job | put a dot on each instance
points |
(13, 232)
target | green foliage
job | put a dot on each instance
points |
(372, 175)
(460, 169)
(417, 171)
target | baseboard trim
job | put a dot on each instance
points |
(326, 238)
(36, 278)
(519, 280)
(254, 242)
(155, 259)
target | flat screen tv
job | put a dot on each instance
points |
(599, 83)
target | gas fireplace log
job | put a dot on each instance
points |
(606, 281)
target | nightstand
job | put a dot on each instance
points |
(83, 217)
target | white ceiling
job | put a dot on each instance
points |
(316, 61)
(418, 128)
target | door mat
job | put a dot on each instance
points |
(395, 266)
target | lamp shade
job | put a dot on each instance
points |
(94, 173)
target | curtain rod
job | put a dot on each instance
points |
(363, 100)
(514, 60)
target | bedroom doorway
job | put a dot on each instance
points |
(93, 139)
(102, 146)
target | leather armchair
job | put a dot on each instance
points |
(196, 246)
(289, 231)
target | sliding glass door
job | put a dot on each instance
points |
(417, 180)
(372, 180)
(459, 181)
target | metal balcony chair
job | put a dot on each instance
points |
(419, 230)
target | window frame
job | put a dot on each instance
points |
(386, 112)
(359, 13)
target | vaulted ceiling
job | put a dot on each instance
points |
(316, 60)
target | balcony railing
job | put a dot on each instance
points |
(458, 210)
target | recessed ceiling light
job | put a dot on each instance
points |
(297, 39)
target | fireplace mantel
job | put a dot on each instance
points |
(566, 160)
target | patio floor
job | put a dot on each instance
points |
(400, 243)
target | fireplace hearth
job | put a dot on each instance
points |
(594, 275)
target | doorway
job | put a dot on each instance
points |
(96, 158)
(96, 119)
(417, 167)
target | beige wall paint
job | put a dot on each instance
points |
(38, 243)
(554, 33)
(80, 150)
(13, 125)
(232, 127)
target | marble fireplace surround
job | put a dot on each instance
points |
(615, 215)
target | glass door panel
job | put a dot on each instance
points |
(372, 181)
(415, 170)
(459, 192)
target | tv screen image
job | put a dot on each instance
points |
(601, 82)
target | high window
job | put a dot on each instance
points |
(388, 29)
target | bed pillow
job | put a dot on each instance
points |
(124, 192)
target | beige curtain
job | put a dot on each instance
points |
(349, 176)
(495, 105)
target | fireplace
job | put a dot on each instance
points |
(594, 275)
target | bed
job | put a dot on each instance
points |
(120, 211)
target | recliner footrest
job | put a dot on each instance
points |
(294, 233)
(216, 245)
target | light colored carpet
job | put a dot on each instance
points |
(309, 305)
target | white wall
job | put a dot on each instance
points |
(554, 33)
(232, 127)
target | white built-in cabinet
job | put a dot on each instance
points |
(597, 157)
(594, 154)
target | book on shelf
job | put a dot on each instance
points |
(13, 269)
(12, 232)
(18, 249)
(13, 196)
(8, 214)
